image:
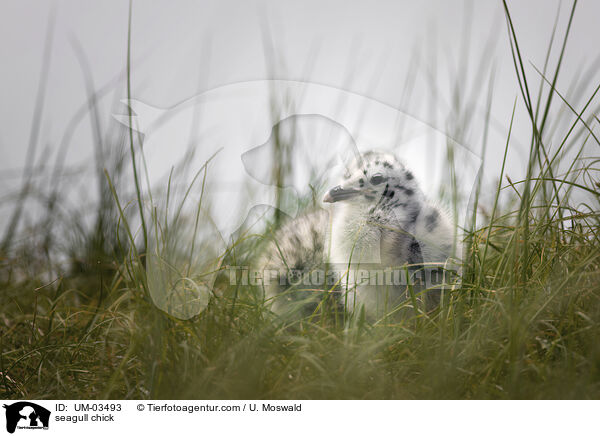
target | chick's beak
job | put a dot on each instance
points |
(338, 193)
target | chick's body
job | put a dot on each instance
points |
(379, 219)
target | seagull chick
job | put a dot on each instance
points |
(380, 220)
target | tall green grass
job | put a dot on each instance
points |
(523, 323)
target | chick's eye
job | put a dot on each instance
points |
(377, 179)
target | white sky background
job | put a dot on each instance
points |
(186, 47)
